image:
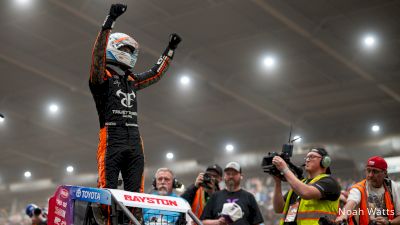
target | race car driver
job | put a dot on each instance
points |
(114, 86)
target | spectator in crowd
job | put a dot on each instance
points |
(233, 193)
(164, 183)
(205, 185)
(374, 200)
(37, 215)
(308, 199)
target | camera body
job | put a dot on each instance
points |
(286, 154)
(207, 181)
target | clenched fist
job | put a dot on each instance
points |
(116, 10)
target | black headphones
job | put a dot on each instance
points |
(175, 182)
(326, 159)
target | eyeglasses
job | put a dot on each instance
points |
(311, 157)
(373, 171)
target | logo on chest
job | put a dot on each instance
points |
(232, 200)
(127, 98)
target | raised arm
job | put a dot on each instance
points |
(153, 75)
(98, 66)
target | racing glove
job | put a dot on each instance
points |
(116, 10)
(174, 40)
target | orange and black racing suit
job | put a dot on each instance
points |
(114, 92)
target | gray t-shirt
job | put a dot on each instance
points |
(376, 200)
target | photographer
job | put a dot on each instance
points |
(233, 205)
(309, 199)
(37, 215)
(375, 200)
(205, 185)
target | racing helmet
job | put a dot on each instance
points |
(114, 55)
(30, 208)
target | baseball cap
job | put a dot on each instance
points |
(231, 212)
(233, 165)
(215, 168)
(377, 162)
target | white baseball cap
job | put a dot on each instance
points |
(233, 165)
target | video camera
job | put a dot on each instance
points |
(287, 152)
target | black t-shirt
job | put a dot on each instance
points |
(244, 199)
(329, 188)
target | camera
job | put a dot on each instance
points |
(207, 181)
(287, 152)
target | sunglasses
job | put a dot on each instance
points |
(311, 157)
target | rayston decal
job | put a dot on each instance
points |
(150, 200)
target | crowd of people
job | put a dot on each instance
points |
(261, 189)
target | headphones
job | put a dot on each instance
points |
(325, 160)
(175, 182)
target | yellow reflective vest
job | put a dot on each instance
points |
(310, 211)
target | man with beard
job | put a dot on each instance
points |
(309, 199)
(206, 184)
(232, 193)
(374, 200)
(164, 183)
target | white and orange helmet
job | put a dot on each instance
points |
(114, 55)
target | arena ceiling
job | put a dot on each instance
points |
(324, 83)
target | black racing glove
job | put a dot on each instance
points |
(174, 40)
(116, 10)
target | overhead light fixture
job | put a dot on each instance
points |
(229, 147)
(170, 155)
(269, 62)
(185, 80)
(375, 128)
(1, 117)
(369, 41)
(23, 2)
(53, 108)
(70, 169)
(27, 174)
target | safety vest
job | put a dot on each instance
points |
(199, 202)
(310, 211)
(364, 217)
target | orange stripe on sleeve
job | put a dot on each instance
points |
(163, 66)
(101, 155)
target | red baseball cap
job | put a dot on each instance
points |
(377, 162)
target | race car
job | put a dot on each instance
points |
(76, 205)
